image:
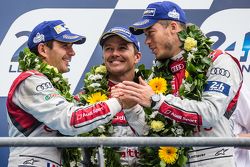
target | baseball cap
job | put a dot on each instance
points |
(53, 30)
(165, 10)
(122, 32)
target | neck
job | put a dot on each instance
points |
(178, 56)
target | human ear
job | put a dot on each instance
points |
(41, 48)
(137, 57)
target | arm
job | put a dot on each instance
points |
(136, 119)
(50, 108)
(218, 93)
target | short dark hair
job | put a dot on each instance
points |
(167, 22)
(48, 43)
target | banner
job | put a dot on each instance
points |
(225, 21)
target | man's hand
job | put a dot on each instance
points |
(139, 93)
(117, 92)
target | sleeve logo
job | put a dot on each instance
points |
(216, 86)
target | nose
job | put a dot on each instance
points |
(115, 52)
(147, 40)
(71, 51)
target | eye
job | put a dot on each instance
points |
(123, 47)
(107, 48)
(66, 45)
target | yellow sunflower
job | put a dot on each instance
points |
(168, 154)
(96, 97)
(158, 84)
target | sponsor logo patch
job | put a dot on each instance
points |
(216, 86)
(38, 38)
(174, 14)
(44, 86)
(59, 29)
(50, 96)
(149, 12)
(220, 71)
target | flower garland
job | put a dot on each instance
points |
(30, 61)
(196, 48)
(96, 90)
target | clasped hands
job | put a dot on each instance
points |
(130, 93)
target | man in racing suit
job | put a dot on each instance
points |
(121, 53)
(36, 109)
(161, 23)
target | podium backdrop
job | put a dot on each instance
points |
(225, 21)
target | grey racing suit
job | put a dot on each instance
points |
(129, 123)
(35, 109)
(210, 115)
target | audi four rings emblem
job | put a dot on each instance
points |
(44, 86)
(220, 71)
(177, 68)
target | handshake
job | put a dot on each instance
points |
(130, 93)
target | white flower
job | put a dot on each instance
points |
(187, 86)
(95, 77)
(156, 63)
(177, 130)
(194, 49)
(37, 66)
(66, 80)
(56, 79)
(101, 129)
(190, 57)
(95, 85)
(36, 60)
(111, 130)
(92, 159)
(153, 114)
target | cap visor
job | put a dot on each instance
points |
(71, 38)
(138, 27)
(109, 34)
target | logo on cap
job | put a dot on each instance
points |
(38, 38)
(122, 30)
(65, 36)
(59, 29)
(174, 14)
(141, 22)
(149, 12)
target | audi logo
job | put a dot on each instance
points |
(220, 71)
(177, 68)
(44, 86)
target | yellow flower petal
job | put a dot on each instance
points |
(157, 126)
(101, 69)
(96, 97)
(186, 73)
(189, 43)
(158, 84)
(168, 154)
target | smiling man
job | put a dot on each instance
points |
(121, 53)
(162, 23)
(39, 101)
